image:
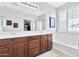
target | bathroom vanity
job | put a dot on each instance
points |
(25, 46)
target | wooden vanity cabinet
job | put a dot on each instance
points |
(25, 46)
(5, 48)
(34, 46)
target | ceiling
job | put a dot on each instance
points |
(57, 4)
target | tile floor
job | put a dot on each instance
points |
(53, 53)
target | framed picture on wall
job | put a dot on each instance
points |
(15, 25)
(51, 22)
(9, 22)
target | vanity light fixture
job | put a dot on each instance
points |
(30, 4)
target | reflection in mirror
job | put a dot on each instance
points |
(27, 25)
(9, 22)
(15, 25)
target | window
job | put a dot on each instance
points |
(73, 19)
(73, 25)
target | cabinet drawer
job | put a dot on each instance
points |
(34, 43)
(21, 39)
(34, 38)
(33, 52)
(5, 42)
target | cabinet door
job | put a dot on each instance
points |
(49, 41)
(20, 46)
(19, 49)
(34, 43)
(5, 51)
(34, 46)
(43, 43)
